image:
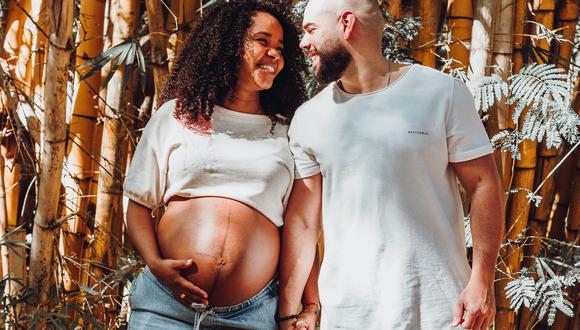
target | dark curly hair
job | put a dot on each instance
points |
(207, 68)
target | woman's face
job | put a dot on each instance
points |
(262, 60)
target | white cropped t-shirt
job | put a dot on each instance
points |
(239, 158)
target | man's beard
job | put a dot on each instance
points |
(332, 62)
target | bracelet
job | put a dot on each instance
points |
(317, 311)
(286, 318)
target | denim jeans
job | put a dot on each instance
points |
(153, 306)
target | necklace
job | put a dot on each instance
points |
(389, 75)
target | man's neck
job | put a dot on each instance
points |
(367, 74)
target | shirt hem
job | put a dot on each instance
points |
(137, 199)
(471, 154)
(305, 173)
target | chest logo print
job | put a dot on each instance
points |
(418, 132)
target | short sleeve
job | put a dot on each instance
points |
(145, 181)
(305, 163)
(466, 136)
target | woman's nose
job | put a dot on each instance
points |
(273, 52)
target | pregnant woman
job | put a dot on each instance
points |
(216, 155)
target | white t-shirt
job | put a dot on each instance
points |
(238, 158)
(392, 215)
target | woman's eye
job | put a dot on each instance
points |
(262, 41)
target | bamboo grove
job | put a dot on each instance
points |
(80, 78)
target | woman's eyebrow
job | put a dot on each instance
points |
(268, 34)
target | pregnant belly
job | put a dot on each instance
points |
(234, 248)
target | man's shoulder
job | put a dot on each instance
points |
(425, 72)
(315, 102)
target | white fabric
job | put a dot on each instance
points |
(392, 216)
(239, 159)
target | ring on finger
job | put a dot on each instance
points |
(182, 295)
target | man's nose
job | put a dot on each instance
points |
(304, 43)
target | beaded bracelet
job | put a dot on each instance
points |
(297, 316)
(286, 318)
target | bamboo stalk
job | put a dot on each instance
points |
(460, 23)
(159, 41)
(3, 10)
(14, 261)
(97, 140)
(3, 220)
(573, 226)
(480, 55)
(567, 19)
(481, 38)
(82, 126)
(564, 177)
(61, 14)
(394, 9)
(109, 208)
(504, 10)
(38, 60)
(172, 26)
(544, 14)
(568, 15)
(501, 59)
(424, 43)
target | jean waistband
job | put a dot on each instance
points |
(271, 286)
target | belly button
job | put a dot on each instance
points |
(221, 262)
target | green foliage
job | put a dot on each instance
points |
(487, 91)
(128, 53)
(537, 86)
(397, 37)
(544, 291)
(544, 90)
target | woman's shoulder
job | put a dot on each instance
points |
(165, 114)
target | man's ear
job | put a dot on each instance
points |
(347, 21)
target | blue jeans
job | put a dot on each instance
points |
(153, 306)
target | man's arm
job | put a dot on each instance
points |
(299, 237)
(480, 179)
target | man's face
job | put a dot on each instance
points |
(322, 43)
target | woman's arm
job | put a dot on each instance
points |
(141, 230)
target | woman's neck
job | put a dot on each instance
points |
(247, 102)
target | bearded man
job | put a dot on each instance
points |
(378, 153)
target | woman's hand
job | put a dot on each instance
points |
(168, 272)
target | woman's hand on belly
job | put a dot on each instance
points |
(168, 272)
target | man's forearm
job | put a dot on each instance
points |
(487, 223)
(310, 295)
(298, 254)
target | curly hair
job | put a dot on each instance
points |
(206, 71)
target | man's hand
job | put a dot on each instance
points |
(168, 272)
(306, 321)
(476, 306)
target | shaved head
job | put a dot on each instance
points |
(366, 11)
